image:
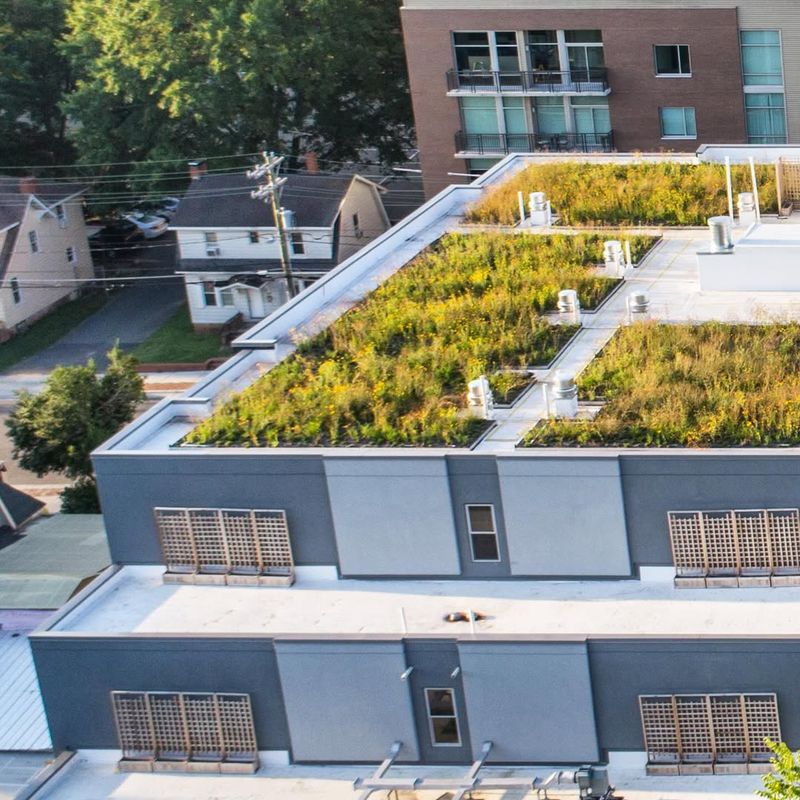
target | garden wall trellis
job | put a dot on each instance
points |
(747, 547)
(196, 732)
(224, 545)
(709, 733)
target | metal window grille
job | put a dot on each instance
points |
(226, 541)
(736, 542)
(728, 728)
(176, 726)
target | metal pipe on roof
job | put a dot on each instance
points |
(755, 188)
(729, 185)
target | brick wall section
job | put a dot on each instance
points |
(715, 88)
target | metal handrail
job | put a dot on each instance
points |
(504, 143)
(579, 80)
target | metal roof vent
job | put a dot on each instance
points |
(746, 203)
(539, 213)
(570, 305)
(638, 303)
(721, 231)
(564, 395)
(613, 256)
(480, 401)
(288, 218)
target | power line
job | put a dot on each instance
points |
(120, 163)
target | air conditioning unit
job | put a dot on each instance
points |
(213, 251)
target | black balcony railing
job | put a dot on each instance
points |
(580, 80)
(504, 143)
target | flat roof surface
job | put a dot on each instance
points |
(136, 601)
(92, 776)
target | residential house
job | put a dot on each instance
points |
(491, 78)
(44, 251)
(229, 247)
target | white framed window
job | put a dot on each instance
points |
(443, 717)
(482, 528)
(298, 244)
(766, 117)
(209, 293)
(678, 122)
(71, 255)
(16, 293)
(672, 60)
(226, 296)
(33, 238)
(61, 215)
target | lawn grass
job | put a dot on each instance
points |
(394, 369)
(651, 193)
(709, 385)
(50, 329)
(176, 342)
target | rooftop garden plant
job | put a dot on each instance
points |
(710, 385)
(650, 193)
(394, 369)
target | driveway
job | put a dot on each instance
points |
(130, 316)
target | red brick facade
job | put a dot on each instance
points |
(714, 90)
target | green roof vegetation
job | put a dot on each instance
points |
(394, 369)
(709, 385)
(651, 193)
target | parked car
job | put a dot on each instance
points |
(160, 207)
(150, 225)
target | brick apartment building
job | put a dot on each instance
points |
(490, 78)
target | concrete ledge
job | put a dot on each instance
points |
(662, 769)
(730, 769)
(131, 765)
(204, 579)
(696, 769)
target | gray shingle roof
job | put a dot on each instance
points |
(12, 201)
(19, 505)
(223, 201)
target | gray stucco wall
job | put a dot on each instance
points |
(656, 484)
(77, 675)
(392, 516)
(345, 700)
(473, 480)
(132, 486)
(564, 516)
(622, 670)
(532, 700)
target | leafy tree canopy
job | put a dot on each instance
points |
(57, 429)
(163, 79)
(34, 77)
(783, 783)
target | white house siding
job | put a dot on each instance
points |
(362, 199)
(780, 15)
(49, 264)
(235, 243)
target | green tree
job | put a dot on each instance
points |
(225, 75)
(57, 429)
(34, 77)
(783, 783)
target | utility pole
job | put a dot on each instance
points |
(271, 191)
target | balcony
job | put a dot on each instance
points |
(585, 81)
(504, 143)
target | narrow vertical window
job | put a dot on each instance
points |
(442, 717)
(209, 293)
(298, 245)
(16, 294)
(253, 235)
(33, 238)
(357, 226)
(71, 257)
(482, 533)
(61, 215)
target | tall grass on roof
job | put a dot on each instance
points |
(710, 385)
(651, 193)
(394, 369)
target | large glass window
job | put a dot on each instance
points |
(591, 115)
(761, 58)
(766, 118)
(678, 123)
(585, 50)
(472, 51)
(507, 53)
(543, 50)
(479, 114)
(550, 117)
(442, 717)
(672, 60)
